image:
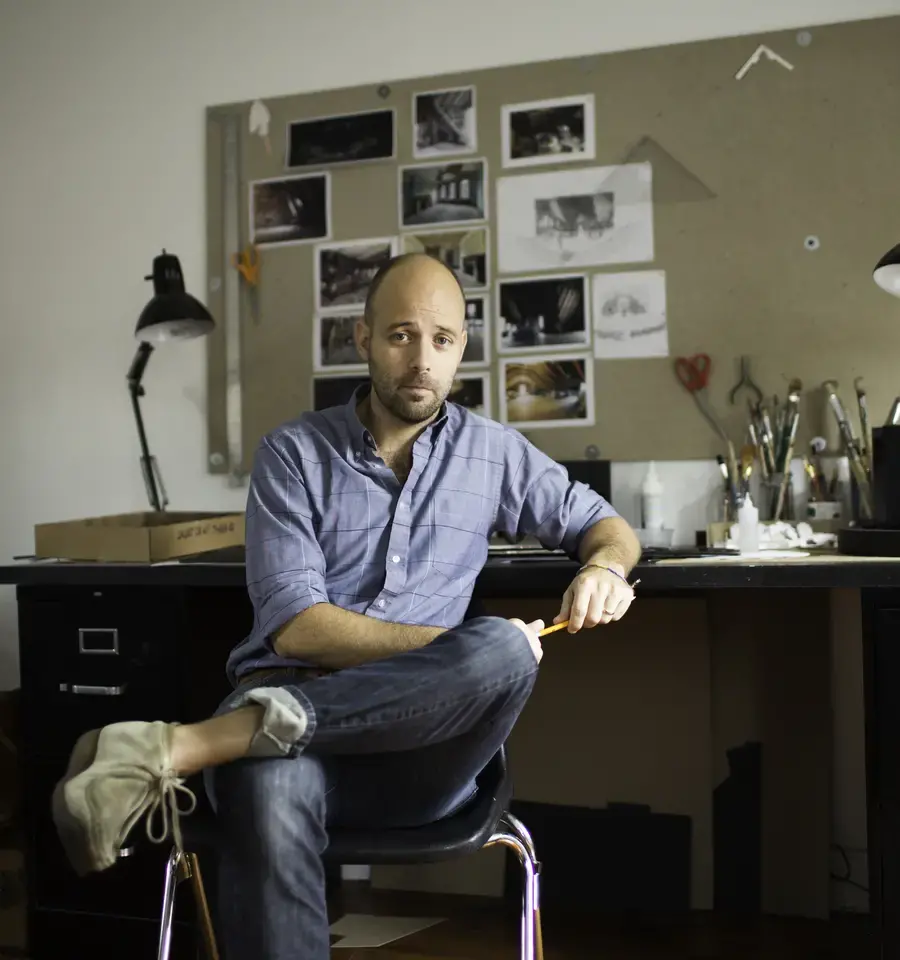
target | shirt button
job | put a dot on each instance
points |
(381, 603)
(395, 559)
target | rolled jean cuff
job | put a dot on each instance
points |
(287, 724)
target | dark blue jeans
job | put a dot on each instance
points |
(393, 743)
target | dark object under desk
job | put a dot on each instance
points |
(172, 626)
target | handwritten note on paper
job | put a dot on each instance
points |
(629, 313)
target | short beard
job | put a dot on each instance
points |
(405, 410)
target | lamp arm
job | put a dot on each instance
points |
(156, 492)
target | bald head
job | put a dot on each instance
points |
(417, 272)
(413, 335)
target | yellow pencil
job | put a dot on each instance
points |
(553, 629)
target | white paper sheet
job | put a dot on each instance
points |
(366, 930)
(629, 313)
(575, 218)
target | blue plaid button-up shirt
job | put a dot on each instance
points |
(328, 521)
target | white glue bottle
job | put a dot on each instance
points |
(748, 527)
(652, 500)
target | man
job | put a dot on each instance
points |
(362, 698)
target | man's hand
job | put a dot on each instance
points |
(531, 631)
(594, 596)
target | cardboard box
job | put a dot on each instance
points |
(138, 537)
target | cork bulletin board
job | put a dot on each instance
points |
(606, 214)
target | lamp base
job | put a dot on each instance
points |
(862, 541)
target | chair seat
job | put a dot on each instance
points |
(466, 831)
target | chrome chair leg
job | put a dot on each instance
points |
(168, 905)
(185, 866)
(517, 838)
(521, 831)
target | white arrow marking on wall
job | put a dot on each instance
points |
(761, 51)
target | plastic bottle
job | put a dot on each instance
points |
(652, 500)
(748, 527)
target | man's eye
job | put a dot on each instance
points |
(445, 340)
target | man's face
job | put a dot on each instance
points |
(416, 339)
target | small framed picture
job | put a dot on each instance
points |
(334, 345)
(290, 210)
(547, 393)
(478, 330)
(472, 391)
(548, 131)
(464, 251)
(439, 194)
(335, 391)
(444, 123)
(544, 312)
(344, 270)
(344, 138)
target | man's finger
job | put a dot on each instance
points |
(597, 609)
(581, 599)
(622, 606)
(565, 607)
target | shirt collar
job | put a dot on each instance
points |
(359, 433)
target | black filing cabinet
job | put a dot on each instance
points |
(92, 656)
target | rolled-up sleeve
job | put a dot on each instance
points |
(285, 565)
(537, 498)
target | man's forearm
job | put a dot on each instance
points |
(332, 637)
(611, 543)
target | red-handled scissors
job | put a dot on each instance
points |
(693, 372)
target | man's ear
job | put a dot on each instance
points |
(362, 334)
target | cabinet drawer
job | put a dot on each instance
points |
(91, 657)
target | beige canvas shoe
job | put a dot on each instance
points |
(115, 776)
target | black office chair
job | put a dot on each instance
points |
(484, 822)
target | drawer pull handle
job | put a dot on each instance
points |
(89, 690)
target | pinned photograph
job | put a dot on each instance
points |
(478, 342)
(472, 391)
(575, 218)
(441, 193)
(290, 210)
(463, 251)
(444, 123)
(345, 138)
(629, 311)
(335, 391)
(334, 349)
(548, 131)
(343, 271)
(557, 393)
(536, 314)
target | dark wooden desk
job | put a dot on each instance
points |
(172, 626)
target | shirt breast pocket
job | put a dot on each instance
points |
(462, 519)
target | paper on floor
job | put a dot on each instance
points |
(365, 930)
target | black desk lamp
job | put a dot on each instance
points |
(172, 314)
(887, 271)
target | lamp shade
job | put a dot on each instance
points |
(172, 314)
(887, 271)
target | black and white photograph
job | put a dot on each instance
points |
(629, 312)
(346, 138)
(548, 131)
(537, 314)
(334, 346)
(465, 252)
(344, 270)
(335, 391)
(441, 193)
(472, 391)
(444, 123)
(290, 210)
(478, 342)
(547, 393)
(561, 219)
